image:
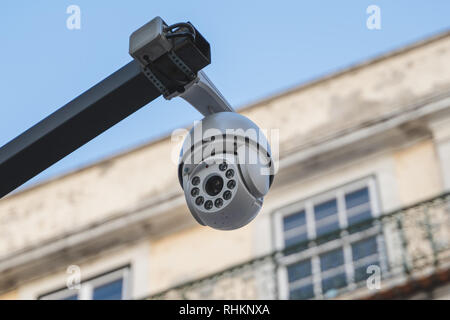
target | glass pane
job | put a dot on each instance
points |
(305, 292)
(357, 198)
(327, 229)
(334, 282)
(364, 248)
(361, 272)
(299, 270)
(358, 223)
(109, 291)
(363, 216)
(296, 243)
(294, 220)
(325, 209)
(331, 259)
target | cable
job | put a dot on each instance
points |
(177, 33)
(181, 25)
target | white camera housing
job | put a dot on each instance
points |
(225, 170)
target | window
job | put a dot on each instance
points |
(337, 258)
(111, 286)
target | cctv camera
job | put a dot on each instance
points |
(225, 170)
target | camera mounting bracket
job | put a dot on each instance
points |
(152, 43)
(173, 57)
(204, 96)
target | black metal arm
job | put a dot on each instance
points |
(73, 125)
(166, 62)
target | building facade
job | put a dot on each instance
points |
(359, 207)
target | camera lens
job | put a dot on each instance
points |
(214, 185)
(195, 181)
(208, 205)
(199, 201)
(195, 192)
(227, 195)
(218, 203)
(231, 184)
(229, 174)
(223, 166)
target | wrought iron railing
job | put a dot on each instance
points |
(416, 242)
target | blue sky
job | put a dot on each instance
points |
(258, 48)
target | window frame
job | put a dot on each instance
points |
(86, 291)
(344, 241)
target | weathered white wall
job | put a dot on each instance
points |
(303, 115)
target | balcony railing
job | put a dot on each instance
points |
(416, 242)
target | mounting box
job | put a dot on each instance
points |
(149, 40)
